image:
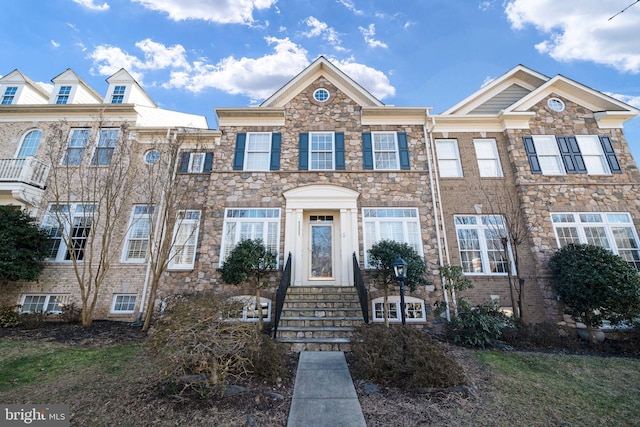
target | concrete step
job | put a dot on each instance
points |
(320, 321)
(321, 312)
(321, 303)
(317, 344)
(316, 332)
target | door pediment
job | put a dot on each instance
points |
(321, 197)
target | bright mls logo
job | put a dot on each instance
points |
(36, 415)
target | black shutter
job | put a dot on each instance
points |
(303, 152)
(367, 151)
(184, 162)
(208, 162)
(339, 150)
(571, 155)
(276, 142)
(238, 158)
(403, 149)
(530, 148)
(610, 154)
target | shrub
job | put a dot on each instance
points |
(547, 335)
(476, 326)
(402, 356)
(596, 284)
(33, 320)
(9, 315)
(71, 314)
(202, 352)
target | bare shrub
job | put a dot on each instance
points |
(202, 352)
(404, 357)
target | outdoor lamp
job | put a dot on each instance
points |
(400, 270)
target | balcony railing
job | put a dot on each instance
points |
(30, 171)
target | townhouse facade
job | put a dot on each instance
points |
(322, 170)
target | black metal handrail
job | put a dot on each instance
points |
(281, 293)
(358, 282)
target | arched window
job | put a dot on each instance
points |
(30, 144)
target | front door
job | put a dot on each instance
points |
(322, 265)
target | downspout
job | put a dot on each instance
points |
(158, 228)
(438, 213)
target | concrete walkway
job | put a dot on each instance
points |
(323, 394)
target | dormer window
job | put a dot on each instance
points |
(118, 95)
(9, 94)
(63, 95)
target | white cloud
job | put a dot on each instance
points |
(627, 99)
(219, 11)
(487, 80)
(321, 29)
(55, 44)
(374, 81)
(156, 56)
(351, 6)
(257, 78)
(369, 34)
(89, 4)
(582, 30)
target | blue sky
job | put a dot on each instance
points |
(195, 55)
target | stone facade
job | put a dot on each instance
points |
(344, 193)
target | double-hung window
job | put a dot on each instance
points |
(398, 224)
(258, 151)
(63, 95)
(76, 147)
(611, 230)
(448, 158)
(185, 240)
(487, 156)
(241, 224)
(106, 145)
(321, 151)
(69, 227)
(117, 97)
(548, 155)
(385, 150)
(192, 162)
(9, 95)
(137, 242)
(480, 243)
(592, 155)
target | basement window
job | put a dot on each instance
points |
(414, 310)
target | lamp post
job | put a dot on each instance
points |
(400, 270)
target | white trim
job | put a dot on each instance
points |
(250, 310)
(115, 299)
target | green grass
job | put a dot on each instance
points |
(551, 389)
(23, 362)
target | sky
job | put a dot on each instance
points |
(197, 55)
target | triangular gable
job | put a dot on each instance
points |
(137, 94)
(69, 77)
(500, 93)
(321, 67)
(575, 92)
(17, 77)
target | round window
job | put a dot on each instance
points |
(321, 95)
(555, 104)
(151, 156)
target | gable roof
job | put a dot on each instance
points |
(138, 95)
(321, 67)
(516, 82)
(17, 77)
(69, 75)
